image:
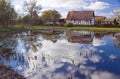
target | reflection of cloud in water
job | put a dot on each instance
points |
(87, 71)
(62, 48)
(95, 58)
(98, 42)
(55, 55)
(20, 46)
(51, 58)
(104, 75)
(60, 60)
(112, 56)
(101, 51)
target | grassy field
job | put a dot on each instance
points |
(89, 28)
(11, 28)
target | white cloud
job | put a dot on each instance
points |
(64, 6)
(75, 4)
(18, 8)
(98, 5)
(70, 4)
(104, 75)
(106, 14)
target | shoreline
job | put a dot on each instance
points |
(8, 32)
(8, 73)
(87, 28)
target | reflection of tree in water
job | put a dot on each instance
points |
(117, 41)
(47, 59)
(6, 48)
(63, 62)
(6, 53)
(74, 65)
(53, 38)
(100, 35)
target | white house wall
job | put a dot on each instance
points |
(93, 21)
(82, 22)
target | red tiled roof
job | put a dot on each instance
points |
(80, 15)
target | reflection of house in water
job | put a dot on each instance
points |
(81, 37)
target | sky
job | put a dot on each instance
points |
(101, 7)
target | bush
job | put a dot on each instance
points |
(68, 24)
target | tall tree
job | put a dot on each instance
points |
(51, 16)
(7, 13)
(31, 6)
(117, 15)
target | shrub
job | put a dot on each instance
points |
(68, 24)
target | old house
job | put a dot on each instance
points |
(81, 17)
(110, 21)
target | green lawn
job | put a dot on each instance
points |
(11, 28)
(89, 28)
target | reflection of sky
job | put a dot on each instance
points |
(65, 60)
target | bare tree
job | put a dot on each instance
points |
(31, 6)
(117, 15)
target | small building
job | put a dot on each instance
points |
(81, 17)
(61, 22)
(110, 21)
(81, 37)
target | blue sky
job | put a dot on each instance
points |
(101, 7)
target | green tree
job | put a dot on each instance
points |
(99, 20)
(51, 16)
(26, 19)
(7, 13)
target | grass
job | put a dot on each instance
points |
(89, 28)
(11, 28)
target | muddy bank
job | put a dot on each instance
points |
(10, 34)
(34, 31)
(8, 73)
(48, 31)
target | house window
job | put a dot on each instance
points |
(79, 22)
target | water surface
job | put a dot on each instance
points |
(83, 55)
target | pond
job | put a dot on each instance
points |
(67, 55)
